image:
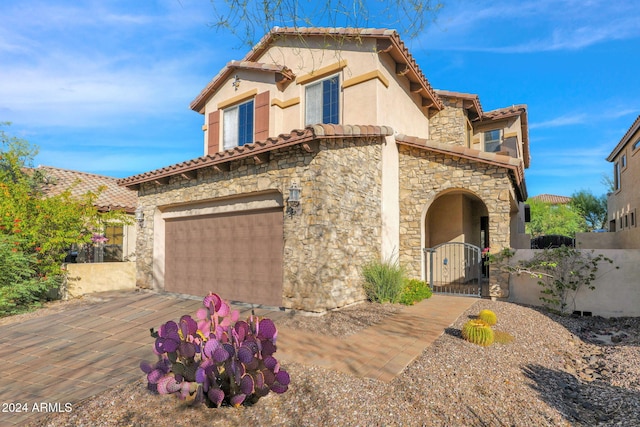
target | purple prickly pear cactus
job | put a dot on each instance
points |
(215, 358)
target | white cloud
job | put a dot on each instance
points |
(565, 120)
(532, 26)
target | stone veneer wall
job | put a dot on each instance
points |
(424, 175)
(448, 126)
(325, 246)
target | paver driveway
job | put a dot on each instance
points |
(64, 357)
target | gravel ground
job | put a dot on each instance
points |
(557, 372)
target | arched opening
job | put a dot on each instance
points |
(456, 229)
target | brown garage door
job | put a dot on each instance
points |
(237, 255)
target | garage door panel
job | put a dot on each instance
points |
(238, 255)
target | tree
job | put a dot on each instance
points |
(37, 231)
(548, 219)
(592, 209)
(249, 20)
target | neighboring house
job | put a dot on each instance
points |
(385, 166)
(623, 202)
(121, 238)
(552, 199)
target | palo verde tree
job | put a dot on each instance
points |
(249, 20)
(548, 219)
(36, 231)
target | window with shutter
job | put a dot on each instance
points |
(237, 125)
(322, 102)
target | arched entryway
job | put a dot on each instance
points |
(456, 229)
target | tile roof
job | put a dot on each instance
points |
(298, 136)
(625, 139)
(112, 197)
(475, 100)
(552, 199)
(511, 163)
(396, 48)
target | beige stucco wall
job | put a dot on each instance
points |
(324, 247)
(616, 294)
(425, 175)
(365, 102)
(86, 278)
(626, 200)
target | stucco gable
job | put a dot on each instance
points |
(387, 41)
(635, 127)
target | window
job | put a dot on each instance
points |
(633, 219)
(636, 144)
(626, 221)
(237, 127)
(322, 102)
(616, 176)
(623, 160)
(114, 233)
(492, 140)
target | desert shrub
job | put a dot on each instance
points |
(414, 291)
(488, 317)
(216, 358)
(383, 281)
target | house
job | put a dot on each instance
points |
(552, 199)
(383, 164)
(121, 238)
(623, 202)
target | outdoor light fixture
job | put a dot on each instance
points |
(293, 203)
(139, 216)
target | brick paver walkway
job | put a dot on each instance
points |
(73, 354)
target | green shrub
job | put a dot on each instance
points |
(21, 287)
(383, 281)
(415, 291)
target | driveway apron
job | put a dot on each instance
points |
(51, 362)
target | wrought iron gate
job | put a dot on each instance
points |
(455, 268)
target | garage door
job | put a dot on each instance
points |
(237, 255)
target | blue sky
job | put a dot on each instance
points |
(105, 86)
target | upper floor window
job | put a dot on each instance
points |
(636, 144)
(237, 127)
(322, 103)
(623, 160)
(616, 176)
(492, 140)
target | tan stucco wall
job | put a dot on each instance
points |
(364, 103)
(626, 200)
(87, 278)
(324, 247)
(425, 175)
(616, 294)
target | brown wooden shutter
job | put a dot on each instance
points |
(262, 116)
(213, 133)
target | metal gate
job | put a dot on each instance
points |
(455, 268)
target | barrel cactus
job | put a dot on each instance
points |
(216, 358)
(477, 332)
(488, 317)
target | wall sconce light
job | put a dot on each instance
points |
(293, 202)
(139, 216)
